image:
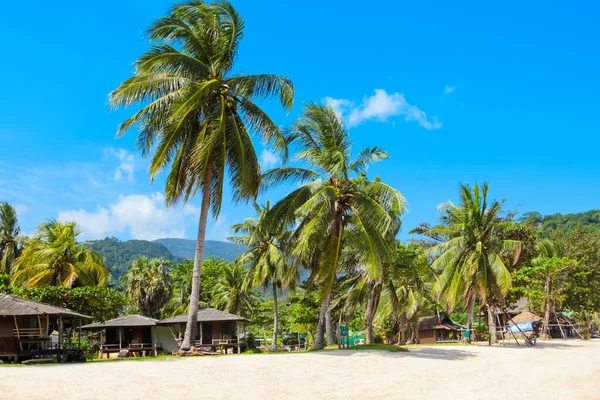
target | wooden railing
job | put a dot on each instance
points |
(217, 342)
(28, 332)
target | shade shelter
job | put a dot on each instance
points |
(217, 330)
(134, 333)
(437, 329)
(26, 327)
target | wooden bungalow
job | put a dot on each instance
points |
(134, 333)
(436, 329)
(217, 330)
(26, 327)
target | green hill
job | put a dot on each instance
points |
(185, 248)
(119, 255)
(564, 222)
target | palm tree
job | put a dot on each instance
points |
(473, 258)
(339, 205)
(266, 256)
(54, 257)
(10, 241)
(197, 115)
(148, 284)
(232, 292)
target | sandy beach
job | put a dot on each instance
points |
(550, 371)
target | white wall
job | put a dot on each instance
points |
(164, 336)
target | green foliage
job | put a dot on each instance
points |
(472, 258)
(582, 245)
(303, 312)
(120, 255)
(213, 268)
(339, 206)
(148, 285)
(54, 257)
(102, 303)
(11, 243)
(231, 293)
(185, 248)
(564, 222)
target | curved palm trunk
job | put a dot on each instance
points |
(192, 320)
(370, 312)
(470, 312)
(547, 309)
(329, 328)
(320, 339)
(275, 317)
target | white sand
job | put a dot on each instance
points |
(567, 370)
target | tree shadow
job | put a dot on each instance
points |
(431, 352)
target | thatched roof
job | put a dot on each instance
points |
(204, 315)
(125, 321)
(526, 316)
(15, 306)
(433, 322)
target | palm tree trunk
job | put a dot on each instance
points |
(192, 320)
(470, 312)
(275, 320)
(370, 313)
(491, 324)
(320, 339)
(329, 328)
(547, 309)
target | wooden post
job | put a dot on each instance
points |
(18, 333)
(60, 338)
(154, 341)
(120, 337)
(201, 338)
(79, 332)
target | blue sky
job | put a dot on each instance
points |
(506, 93)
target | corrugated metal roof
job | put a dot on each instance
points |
(10, 306)
(124, 321)
(204, 315)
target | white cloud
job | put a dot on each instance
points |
(94, 225)
(338, 105)
(381, 106)
(126, 165)
(144, 216)
(268, 159)
(449, 89)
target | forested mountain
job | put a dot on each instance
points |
(185, 248)
(119, 255)
(564, 222)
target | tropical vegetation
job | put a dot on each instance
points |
(324, 255)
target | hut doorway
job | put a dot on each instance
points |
(207, 333)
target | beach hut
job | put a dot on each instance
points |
(134, 333)
(26, 327)
(436, 329)
(217, 330)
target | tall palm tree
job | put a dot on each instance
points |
(339, 204)
(197, 115)
(472, 259)
(148, 283)
(266, 256)
(232, 292)
(54, 257)
(10, 241)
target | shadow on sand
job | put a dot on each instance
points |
(436, 353)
